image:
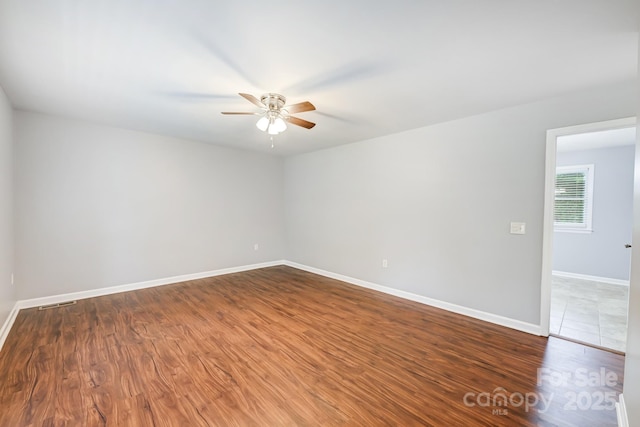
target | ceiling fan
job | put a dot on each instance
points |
(274, 112)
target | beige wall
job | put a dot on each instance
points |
(7, 294)
(437, 202)
(98, 206)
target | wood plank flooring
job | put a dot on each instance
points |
(284, 347)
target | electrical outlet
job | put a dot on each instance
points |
(385, 263)
(256, 246)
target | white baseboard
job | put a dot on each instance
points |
(8, 323)
(466, 311)
(591, 278)
(621, 411)
(55, 299)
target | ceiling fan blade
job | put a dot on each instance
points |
(241, 113)
(300, 107)
(252, 99)
(299, 122)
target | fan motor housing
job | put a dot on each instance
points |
(273, 101)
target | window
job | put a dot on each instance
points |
(574, 198)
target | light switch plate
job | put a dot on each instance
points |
(518, 228)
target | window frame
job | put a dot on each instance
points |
(587, 225)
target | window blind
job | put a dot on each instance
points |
(573, 197)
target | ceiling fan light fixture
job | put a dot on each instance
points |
(279, 124)
(263, 123)
(273, 130)
(274, 123)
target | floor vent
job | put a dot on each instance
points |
(61, 304)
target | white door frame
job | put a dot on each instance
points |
(549, 200)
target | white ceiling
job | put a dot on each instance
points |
(600, 139)
(370, 68)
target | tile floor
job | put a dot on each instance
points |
(591, 312)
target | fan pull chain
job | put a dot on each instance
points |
(271, 137)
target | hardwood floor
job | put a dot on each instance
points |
(283, 347)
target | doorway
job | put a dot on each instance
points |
(587, 223)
